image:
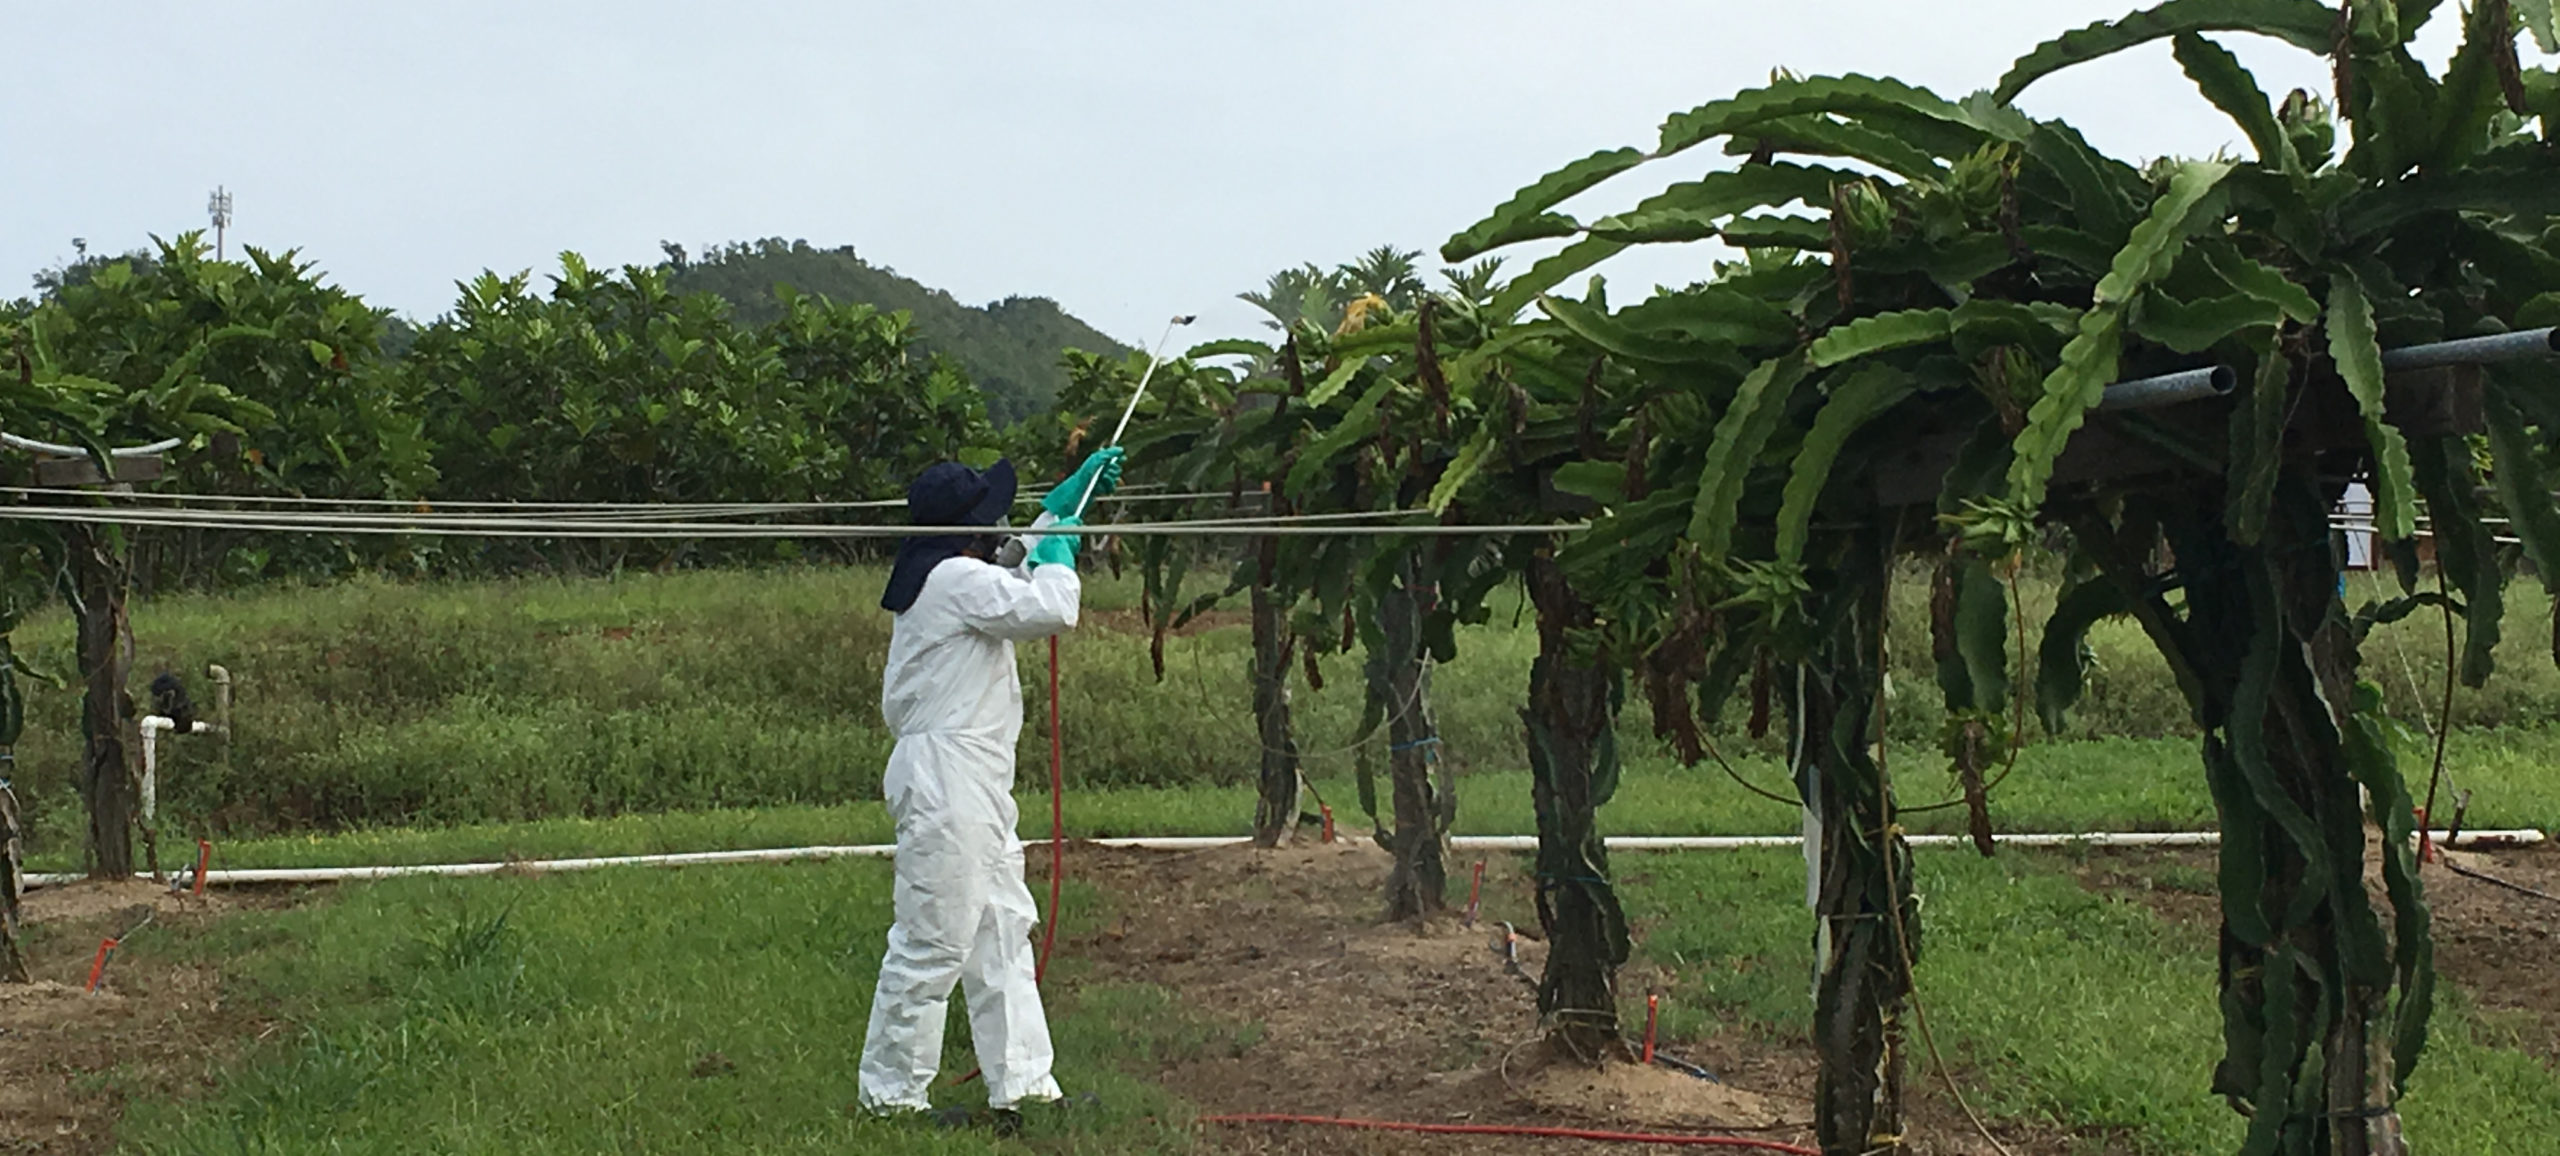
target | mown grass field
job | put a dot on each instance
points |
(713, 1011)
(721, 1009)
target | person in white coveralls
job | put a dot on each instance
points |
(953, 699)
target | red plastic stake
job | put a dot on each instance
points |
(1475, 893)
(204, 863)
(1652, 1008)
(2426, 839)
(1328, 821)
(98, 968)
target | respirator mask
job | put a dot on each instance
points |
(1005, 547)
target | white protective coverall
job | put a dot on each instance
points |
(953, 698)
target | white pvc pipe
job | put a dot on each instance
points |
(395, 871)
(2516, 838)
(152, 725)
(2525, 837)
(1172, 842)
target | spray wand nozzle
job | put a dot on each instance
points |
(1154, 358)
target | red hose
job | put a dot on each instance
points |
(1057, 834)
(1673, 1138)
(1057, 821)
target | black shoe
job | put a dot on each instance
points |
(1008, 1121)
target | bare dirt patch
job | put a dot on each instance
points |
(2493, 943)
(82, 902)
(1364, 1019)
(2498, 945)
(69, 1058)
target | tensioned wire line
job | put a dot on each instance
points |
(142, 515)
(429, 505)
(430, 522)
(390, 515)
(1362, 524)
(421, 512)
(613, 517)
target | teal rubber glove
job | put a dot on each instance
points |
(1101, 471)
(1058, 549)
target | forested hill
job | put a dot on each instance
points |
(1010, 347)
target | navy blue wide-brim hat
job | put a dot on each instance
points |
(946, 494)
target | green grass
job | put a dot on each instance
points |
(569, 1015)
(2079, 1011)
(374, 704)
(2096, 785)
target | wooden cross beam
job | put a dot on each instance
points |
(82, 471)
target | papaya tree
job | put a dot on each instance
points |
(1331, 422)
(1959, 304)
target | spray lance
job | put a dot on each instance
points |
(1154, 359)
(1011, 553)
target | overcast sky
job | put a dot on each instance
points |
(1131, 160)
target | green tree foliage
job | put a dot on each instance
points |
(617, 388)
(123, 356)
(82, 266)
(296, 358)
(134, 350)
(1011, 348)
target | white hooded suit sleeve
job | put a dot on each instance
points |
(1000, 604)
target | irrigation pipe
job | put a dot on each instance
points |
(1674, 1139)
(234, 876)
(2469, 840)
(31, 445)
